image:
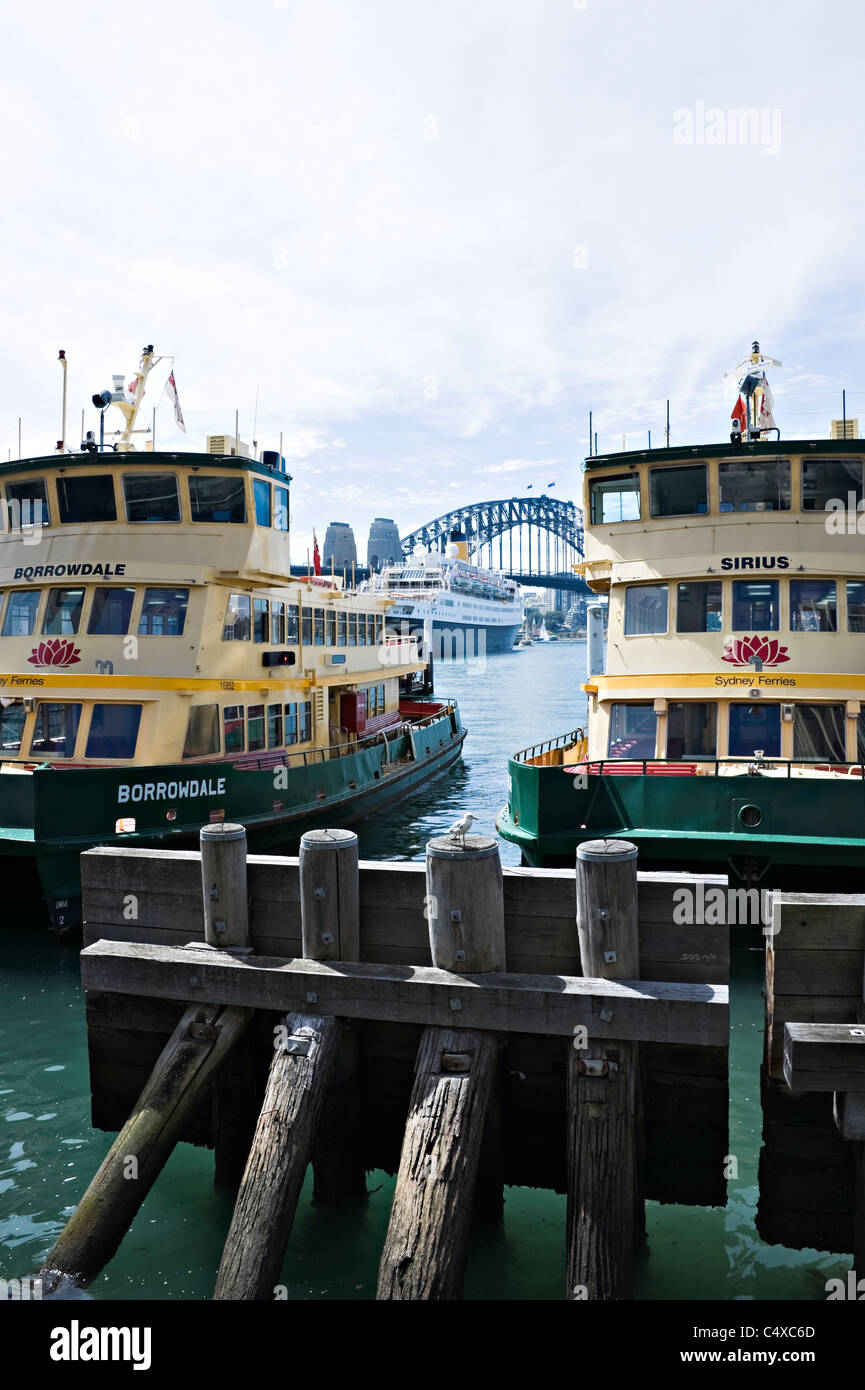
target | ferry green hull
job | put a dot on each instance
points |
(52, 815)
(808, 832)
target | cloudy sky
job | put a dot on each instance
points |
(430, 237)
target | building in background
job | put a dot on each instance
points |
(339, 546)
(383, 547)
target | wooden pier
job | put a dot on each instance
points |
(460, 1025)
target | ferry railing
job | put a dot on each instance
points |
(597, 766)
(549, 745)
(311, 756)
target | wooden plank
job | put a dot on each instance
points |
(504, 1002)
(849, 1115)
(819, 921)
(824, 1057)
(817, 972)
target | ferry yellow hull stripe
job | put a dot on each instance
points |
(80, 681)
(720, 681)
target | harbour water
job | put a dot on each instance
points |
(48, 1151)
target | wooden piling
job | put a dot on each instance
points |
(204, 1036)
(223, 883)
(425, 1249)
(604, 1191)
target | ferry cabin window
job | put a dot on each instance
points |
(319, 627)
(361, 629)
(292, 627)
(645, 609)
(341, 629)
(88, 498)
(255, 728)
(21, 610)
(202, 731)
(754, 485)
(352, 629)
(277, 623)
(379, 629)
(217, 499)
(113, 731)
(304, 720)
(11, 728)
(260, 620)
(615, 499)
(63, 612)
(633, 730)
(291, 723)
(233, 727)
(261, 497)
(819, 732)
(698, 606)
(306, 626)
(27, 504)
(274, 726)
(55, 730)
(754, 726)
(682, 491)
(755, 605)
(856, 605)
(330, 629)
(692, 729)
(237, 619)
(163, 613)
(831, 480)
(812, 605)
(151, 497)
(280, 509)
(110, 611)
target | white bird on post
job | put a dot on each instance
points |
(461, 828)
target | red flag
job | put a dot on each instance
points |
(316, 557)
(739, 413)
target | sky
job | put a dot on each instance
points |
(428, 239)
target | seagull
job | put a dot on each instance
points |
(461, 828)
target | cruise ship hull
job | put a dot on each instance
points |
(453, 640)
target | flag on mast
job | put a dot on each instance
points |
(765, 419)
(171, 393)
(316, 556)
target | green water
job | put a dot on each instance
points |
(48, 1151)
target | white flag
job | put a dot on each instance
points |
(171, 392)
(765, 419)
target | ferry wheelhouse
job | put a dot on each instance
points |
(160, 669)
(726, 729)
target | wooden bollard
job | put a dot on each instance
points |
(603, 1087)
(329, 895)
(202, 1039)
(425, 1249)
(223, 883)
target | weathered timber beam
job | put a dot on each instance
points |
(648, 1011)
(824, 1056)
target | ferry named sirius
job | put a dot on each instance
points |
(160, 669)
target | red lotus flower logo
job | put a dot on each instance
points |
(745, 651)
(58, 652)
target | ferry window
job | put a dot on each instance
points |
(304, 720)
(382, 701)
(280, 509)
(692, 729)
(632, 731)
(110, 611)
(217, 499)
(261, 498)
(237, 619)
(27, 504)
(202, 731)
(306, 626)
(645, 609)
(819, 732)
(163, 613)
(274, 726)
(682, 491)
(755, 605)
(698, 606)
(330, 633)
(379, 629)
(63, 612)
(361, 629)
(319, 627)
(831, 480)
(11, 727)
(754, 485)
(21, 610)
(754, 726)
(260, 623)
(856, 605)
(255, 728)
(292, 630)
(113, 731)
(291, 723)
(860, 738)
(812, 605)
(151, 497)
(341, 629)
(233, 726)
(352, 629)
(55, 730)
(277, 623)
(88, 498)
(615, 499)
